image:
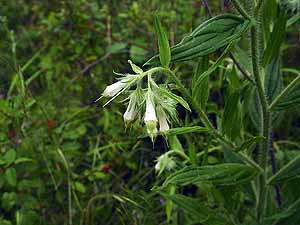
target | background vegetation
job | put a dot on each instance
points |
(65, 159)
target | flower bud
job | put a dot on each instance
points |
(150, 116)
(164, 162)
(113, 89)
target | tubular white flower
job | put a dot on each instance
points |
(150, 116)
(163, 122)
(131, 111)
(113, 89)
(129, 115)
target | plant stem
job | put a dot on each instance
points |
(240, 9)
(263, 151)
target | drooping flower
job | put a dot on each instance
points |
(132, 108)
(150, 115)
(162, 119)
(113, 89)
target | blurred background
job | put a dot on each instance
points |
(61, 154)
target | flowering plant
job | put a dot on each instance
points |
(254, 91)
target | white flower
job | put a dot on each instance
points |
(131, 111)
(150, 116)
(129, 115)
(162, 119)
(113, 89)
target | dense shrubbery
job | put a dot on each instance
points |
(67, 160)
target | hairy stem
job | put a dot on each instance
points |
(263, 150)
(239, 7)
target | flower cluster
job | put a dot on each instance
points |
(154, 104)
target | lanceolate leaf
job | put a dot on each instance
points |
(195, 209)
(232, 118)
(211, 69)
(222, 174)
(291, 100)
(185, 130)
(273, 85)
(211, 35)
(176, 98)
(200, 93)
(273, 79)
(275, 41)
(249, 143)
(163, 44)
(289, 171)
(290, 96)
(290, 215)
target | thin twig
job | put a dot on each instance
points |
(240, 9)
(91, 65)
(241, 69)
(205, 3)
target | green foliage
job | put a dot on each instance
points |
(205, 39)
(223, 174)
(220, 107)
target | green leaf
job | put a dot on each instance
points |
(135, 68)
(200, 93)
(273, 79)
(198, 210)
(276, 39)
(9, 157)
(249, 143)
(137, 54)
(269, 14)
(116, 47)
(273, 86)
(211, 35)
(11, 176)
(289, 171)
(242, 57)
(290, 215)
(27, 217)
(163, 44)
(176, 98)
(8, 200)
(169, 204)
(290, 96)
(211, 69)
(79, 187)
(290, 100)
(185, 130)
(232, 118)
(222, 174)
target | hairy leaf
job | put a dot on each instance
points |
(211, 35)
(222, 174)
(163, 44)
(289, 171)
